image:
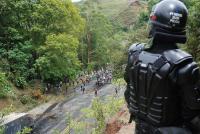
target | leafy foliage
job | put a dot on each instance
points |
(26, 130)
(2, 130)
(26, 99)
(5, 87)
(193, 29)
(58, 57)
(20, 82)
(151, 3)
(98, 30)
(54, 17)
(99, 111)
(27, 25)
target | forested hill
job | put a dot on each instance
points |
(111, 25)
(48, 41)
(124, 12)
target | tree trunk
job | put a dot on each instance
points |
(89, 37)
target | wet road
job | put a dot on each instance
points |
(55, 119)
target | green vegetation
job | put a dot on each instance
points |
(38, 40)
(193, 45)
(99, 111)
(48, 40)
(2, 130)
(111, 26)
(35, 34)
(26, 130)
(5, 87)
(52, 39)
(58, 57)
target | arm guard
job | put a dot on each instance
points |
(188, 77)
(185, 76)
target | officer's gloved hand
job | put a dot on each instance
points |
(195, 125)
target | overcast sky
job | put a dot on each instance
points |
(76, 0)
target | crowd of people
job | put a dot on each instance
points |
(101, 77)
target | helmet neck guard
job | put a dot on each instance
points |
(169, 38)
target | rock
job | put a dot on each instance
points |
(16, 122)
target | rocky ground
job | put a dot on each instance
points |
(54, 118)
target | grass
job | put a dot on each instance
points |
(24, 101)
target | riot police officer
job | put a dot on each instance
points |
(162, 92)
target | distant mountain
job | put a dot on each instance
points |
(124, 12)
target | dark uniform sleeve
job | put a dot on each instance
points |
(127, 91)
(188, 80)
(135, 48)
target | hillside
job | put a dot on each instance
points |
(122, 12)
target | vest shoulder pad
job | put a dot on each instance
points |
(188, 74)
(136, 47)
(177, 56)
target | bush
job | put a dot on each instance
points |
(26, 130)
(2, 130)
(5, 87)
(73, 125)
(20, 82)
(98, 108)
(100, 111)
(26, 99)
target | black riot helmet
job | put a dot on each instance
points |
(168, 21)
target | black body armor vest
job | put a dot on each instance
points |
(154, 95)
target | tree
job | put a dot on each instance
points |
(98, 30)
(193, 44)
(15, 42)
(58, 57)
(54, 17)
(26, 25)
(60, 26)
